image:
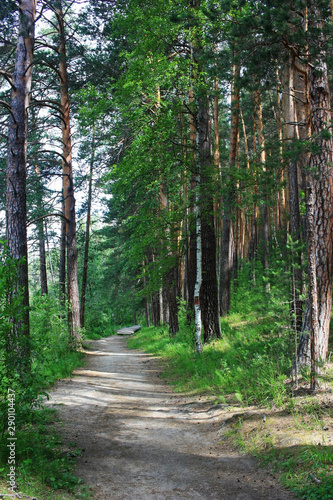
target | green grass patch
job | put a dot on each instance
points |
(250, 362)
(305, 470)
(39, 454)
(43, 466)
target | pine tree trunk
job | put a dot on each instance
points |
(282, 191)
(147, 308)
(209, 286)
(165, 303)
(147, 312)
(42, 259)
(62, 257)
(156, 309)
(172, 301)
(87, 238)
(322, 185)
(264, 209)
(319, 207)
(17, 342)
(41, 235)
(289, 115)
(226, 247)
(68, 189)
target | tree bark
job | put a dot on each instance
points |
(289, 116)
(172, 300)
(192, 251)
(321, 184)
(68, 189)
(198, 282)
(264, 209)
(42, 258)
(314, 339)
(156, 309)
(226, 247)
(41, 235)
(209, 285)
(62, 262)
(87, 238)
(16, 211)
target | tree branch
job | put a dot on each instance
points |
(9, 78)
(55, 214)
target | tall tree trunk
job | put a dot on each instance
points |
(282, 192)
(226, 247)
(289, 115)
(49, 254)
(208, 295)
(172, 300)
(198, 282)
(41, 235)
(147, 308)
(68, 188)
(209, 285)
(192, 251)
(253, 236)
(87, 238)
(156, 309)
(147, 312)
(16, 211)
(320, 186)
(42, 258)
(62, 262)
(264, 209)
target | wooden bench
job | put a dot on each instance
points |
(129, 330)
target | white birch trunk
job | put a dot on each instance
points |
(197, 307)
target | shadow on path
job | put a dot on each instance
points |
(141, 441)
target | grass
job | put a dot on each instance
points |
(296, 443)
(44, 467)
(250, 365)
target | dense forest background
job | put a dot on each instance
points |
(165, 163)
(161, 156)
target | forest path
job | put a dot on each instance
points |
(141, 441)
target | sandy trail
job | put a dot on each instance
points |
(143, 442)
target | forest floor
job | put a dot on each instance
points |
(141, 441)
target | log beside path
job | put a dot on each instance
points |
(129, 330)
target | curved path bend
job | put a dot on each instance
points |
(141, 441)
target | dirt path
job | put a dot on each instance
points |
(143, 442)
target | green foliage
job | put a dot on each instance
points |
(51, 357)
(38, 453)
(306, 470)
(250, 363)
(112, 286)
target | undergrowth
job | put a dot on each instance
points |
(306, 470)
(250, 362)
(42, 466)
(249, 365)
